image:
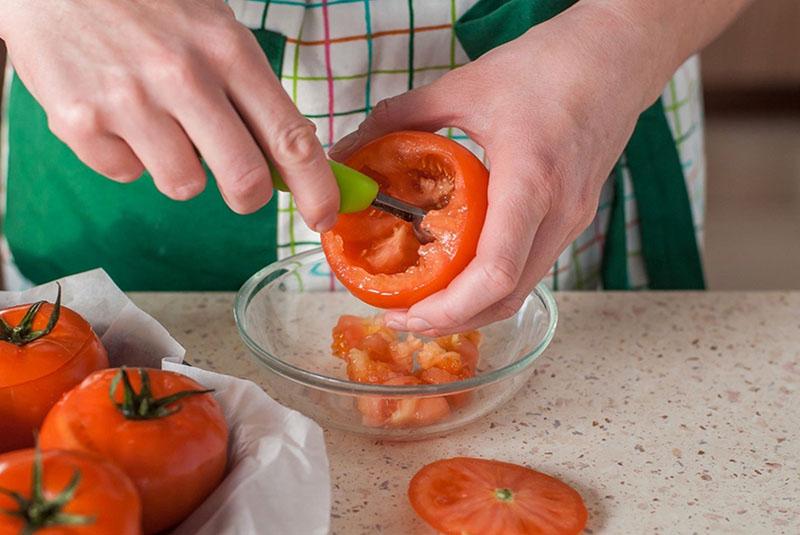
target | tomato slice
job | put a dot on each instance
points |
(467, 496)
(375, 255)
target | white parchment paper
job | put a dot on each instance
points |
(278, 479)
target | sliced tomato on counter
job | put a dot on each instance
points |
(164, 430)
(66, 492)
(476, 496)
(377, 256)
(45, 350)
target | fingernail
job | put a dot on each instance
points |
(418, 324)
(343, 145)
(326, 224)
(186, 191)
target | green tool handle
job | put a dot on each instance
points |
(356, 190)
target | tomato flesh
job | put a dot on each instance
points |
(476, 496)
(376, 255)
(376, 354)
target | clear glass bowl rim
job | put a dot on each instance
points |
(351, 388)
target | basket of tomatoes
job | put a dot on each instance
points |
(104, 430)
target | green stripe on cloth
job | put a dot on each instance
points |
(615, 259)
(264, 16)
(669, 246)
(410, 44)
(368, 83)
(453, 15)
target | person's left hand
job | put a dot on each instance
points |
(554, 110)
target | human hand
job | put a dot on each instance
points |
(554, 110)
(130, 85)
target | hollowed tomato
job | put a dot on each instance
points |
(377, 256)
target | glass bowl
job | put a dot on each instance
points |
(285, 314)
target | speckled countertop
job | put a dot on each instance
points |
(670, 413)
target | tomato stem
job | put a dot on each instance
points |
(37, 511)
(142, 405)
(23, 333)
(504, 495)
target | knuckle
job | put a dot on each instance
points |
(75, 119)
(319, 209)
(174, 68)
(242, 184)
(507, 308)
(296, 145)
(125, 94)
(584, 217)
(501, 275)
(383, 110)
(451, 318)
(233, 38)
(548, 175)
(580, 211)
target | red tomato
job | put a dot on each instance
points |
(402, 412)
(38, 363)
(375, 255)
(464, 495)
(171, 438)
(104, 500)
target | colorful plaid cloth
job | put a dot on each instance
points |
(344, 56)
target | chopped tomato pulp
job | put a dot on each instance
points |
(376, 354)
(377, 256)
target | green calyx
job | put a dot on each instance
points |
(142, 405)
(504, 495)
(37, 512)
(23, 333)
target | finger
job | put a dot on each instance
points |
(540, 261)
(227, 146)
(80, 128)
(287, 137)
(539, 264)
(427, 108)
(512, 220)
(165, 150)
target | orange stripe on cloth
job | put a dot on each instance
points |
(373, 36)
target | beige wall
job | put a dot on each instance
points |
(760, 51)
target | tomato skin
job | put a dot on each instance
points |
(394, 160)
(104, 492)
(34, 376)
(175, 461)
(462, 496)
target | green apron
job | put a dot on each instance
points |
(669, 247)
(63, 218)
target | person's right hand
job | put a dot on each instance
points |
(132, 84)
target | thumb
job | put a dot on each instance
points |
(427, 108)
